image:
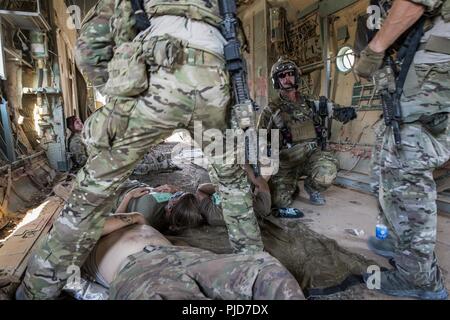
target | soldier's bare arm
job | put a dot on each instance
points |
(402, 16)
(119, 221)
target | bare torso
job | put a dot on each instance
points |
(114, 248)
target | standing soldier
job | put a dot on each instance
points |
(169, 75)
(300, 125)
(407, 192)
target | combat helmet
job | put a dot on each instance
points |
(284, 64)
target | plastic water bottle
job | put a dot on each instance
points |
(381, 231)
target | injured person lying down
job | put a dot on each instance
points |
(133, 261)
(318, 264)
(167, 208)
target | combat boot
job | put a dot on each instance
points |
(385, 248)
(394, 283)
(316, 198)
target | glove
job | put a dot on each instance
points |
(345, 114)
(369, 62)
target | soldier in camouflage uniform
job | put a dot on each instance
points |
(170, 75)
(77, 148)
(407, 191)
(136, 262)
(155, 163)
(295, 115)
(183, 273)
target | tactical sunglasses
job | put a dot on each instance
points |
(286, 74)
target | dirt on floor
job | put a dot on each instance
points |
(9, 226)
(187, 179)
(324, 269)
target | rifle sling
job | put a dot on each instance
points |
(142, 21)
(415, 35)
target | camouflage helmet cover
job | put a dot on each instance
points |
(284, 64)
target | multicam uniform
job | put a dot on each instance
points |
(407, 191)
(185, 273)
(303, 158)
(77, 151)
(155, 163)
(211, 208)
(187, 81)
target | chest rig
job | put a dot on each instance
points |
(298, 117)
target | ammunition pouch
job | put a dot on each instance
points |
(436, 44)
(435, 123)
(162, 52)
(127, 71)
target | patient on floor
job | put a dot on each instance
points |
(314, 260)
(135, 261)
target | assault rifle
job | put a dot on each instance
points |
(245, 108)
(391, 81)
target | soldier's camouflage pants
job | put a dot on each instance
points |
(319, 167)
(118, 136)
(184, 273)
(407, 195)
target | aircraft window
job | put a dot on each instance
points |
(345, 59)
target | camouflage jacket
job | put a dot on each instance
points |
(95, 44)
(77, 150)
(105, 28)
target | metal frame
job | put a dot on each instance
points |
(26, 20)
(6, 124)
(2, 54)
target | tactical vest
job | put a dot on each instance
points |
(203, 10)
(299, 120)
